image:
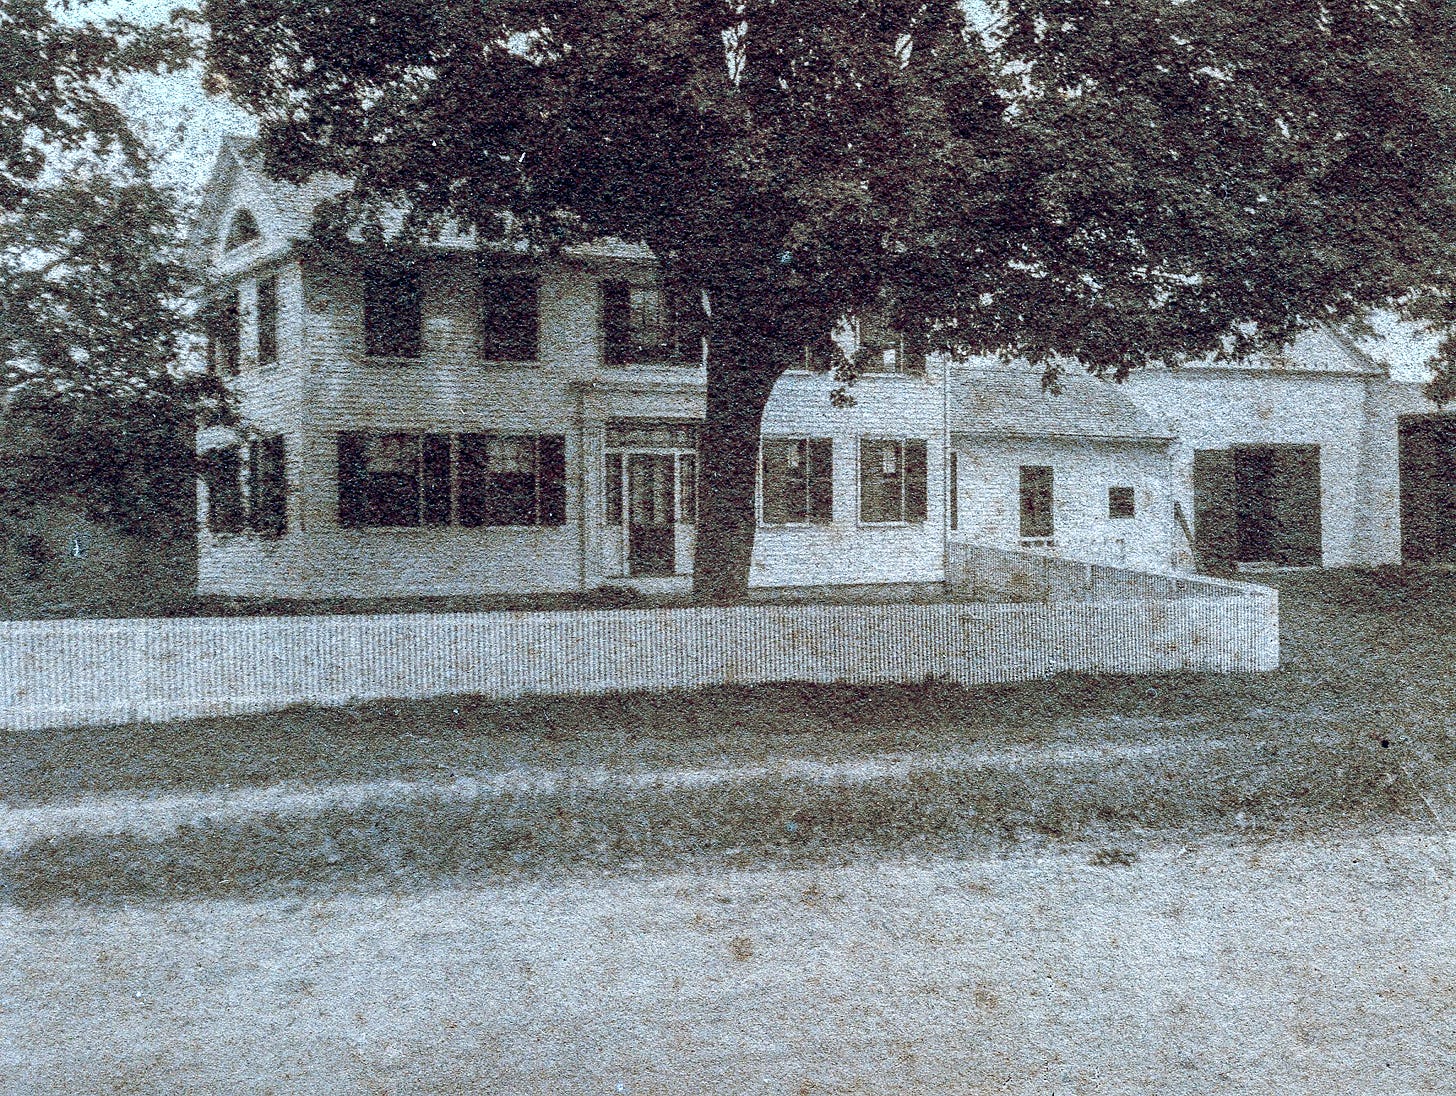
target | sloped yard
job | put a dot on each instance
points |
(1157, 884)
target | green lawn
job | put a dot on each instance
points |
(1354, 729)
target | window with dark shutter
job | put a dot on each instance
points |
(892, 480)
(636, 324)
(392, 313)
(267, 321)
(509, 320)
(222, 474)
(1036, 501)
(506, 480)
(797, 487)
(379, 480)
(268, 487)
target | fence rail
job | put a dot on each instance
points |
(980, 573)
(77, 672)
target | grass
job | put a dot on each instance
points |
(1355, 728)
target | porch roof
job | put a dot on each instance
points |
(1009, 402)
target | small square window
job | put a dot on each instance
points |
(1120, 503)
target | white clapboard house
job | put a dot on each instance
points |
(473, 421)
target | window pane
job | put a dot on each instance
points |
(1036, 501)
(392, 313)
(509, 317)
(267, 321)
(648, 324)
(391, 480)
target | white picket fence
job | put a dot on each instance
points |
(75, 672)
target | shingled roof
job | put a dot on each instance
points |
(1009, 402)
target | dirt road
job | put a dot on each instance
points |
(1312, 967)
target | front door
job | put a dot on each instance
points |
(651, 514)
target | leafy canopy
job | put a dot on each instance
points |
(93, 403)
(1113, 182)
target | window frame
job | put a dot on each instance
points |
(904, 449)
(1024, 514)
(438, 497)
(818, 508)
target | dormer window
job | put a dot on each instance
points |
(880, 348)
(242, 230)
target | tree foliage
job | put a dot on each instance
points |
(95, 410)
(1111, 182)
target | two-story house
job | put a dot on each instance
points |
(463, 420)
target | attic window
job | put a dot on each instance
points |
(242, 230)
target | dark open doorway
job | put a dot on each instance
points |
(1428, 489)
(1257, 504)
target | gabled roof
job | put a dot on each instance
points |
(291, 206)
(1008, 401)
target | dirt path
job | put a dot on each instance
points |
(1320, 967)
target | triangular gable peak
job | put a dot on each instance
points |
(244, 216)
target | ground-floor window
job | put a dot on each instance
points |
(1037, 522)
(263, 467)
(953, 478)
(438, 479)
(797, 486)
(892, 480)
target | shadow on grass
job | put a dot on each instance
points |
(406, 842)
(713, 726)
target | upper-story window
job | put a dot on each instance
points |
(509, 317)
(242, 229)
(267, 320)
(392, 312)
(880, 348)
(636, 323)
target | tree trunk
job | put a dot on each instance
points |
(738, 390)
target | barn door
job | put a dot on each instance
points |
(1215, 532)
(1294, 494)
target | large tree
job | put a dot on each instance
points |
(1111, 181)
(96, 411)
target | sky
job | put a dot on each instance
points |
(186, 126)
